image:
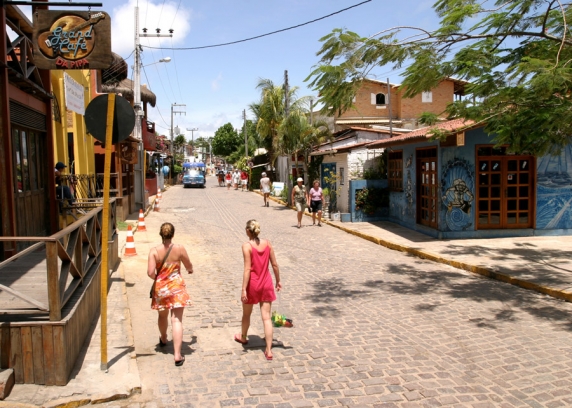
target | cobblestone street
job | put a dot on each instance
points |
(372, 327)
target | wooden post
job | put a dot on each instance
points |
(105, 227)
(54, 295)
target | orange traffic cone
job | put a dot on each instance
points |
(130, 244)
(141, 223)
(157, 208)
(159, 195)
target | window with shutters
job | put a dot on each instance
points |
(395, 170)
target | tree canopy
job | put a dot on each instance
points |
(225, 141)
(516, 56)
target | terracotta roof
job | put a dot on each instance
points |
(425, 133)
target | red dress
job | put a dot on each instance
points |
(260, 287)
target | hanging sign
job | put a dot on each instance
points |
(72, 40)
(74, 94)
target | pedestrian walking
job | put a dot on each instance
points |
(244, 180)
(316, 202)
(169, 292)
(257, 287)
(265, 189)
(236, 179)
(228, 180)
(300, 199)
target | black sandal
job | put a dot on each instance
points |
(180, 362)
(161, 344)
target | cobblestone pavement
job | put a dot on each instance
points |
(373, 327)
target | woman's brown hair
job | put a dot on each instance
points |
(167, 231)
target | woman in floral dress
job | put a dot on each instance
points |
(170, 291)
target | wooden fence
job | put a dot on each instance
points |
(49, 295)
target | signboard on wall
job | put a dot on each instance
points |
(72, 40)
(74, 94)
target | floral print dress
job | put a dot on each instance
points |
(170, 288)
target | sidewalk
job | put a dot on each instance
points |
(88, 383)
(542, 264)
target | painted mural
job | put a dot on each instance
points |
(458, 186)
(554, 193)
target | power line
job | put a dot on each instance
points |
(264, 35)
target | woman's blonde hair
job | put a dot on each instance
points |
(316, 181)
(254, 227)
(167, 231)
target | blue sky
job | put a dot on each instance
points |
(217, 84)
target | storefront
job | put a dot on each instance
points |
(466, 187)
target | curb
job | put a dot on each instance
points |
(480, 270)
(77, 401)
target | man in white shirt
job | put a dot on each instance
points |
(236, 179)
(265, 188)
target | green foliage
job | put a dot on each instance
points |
(284, 194)
(515, 55)
(314, 168)
(428, 118)
(225, 141)
(177, 169)
(369, 200)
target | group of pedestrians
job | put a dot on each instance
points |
(236, 178)
(169, 293)
(313, 200)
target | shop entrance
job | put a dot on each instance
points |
(505, 195)
(29, 158)
(427, 190)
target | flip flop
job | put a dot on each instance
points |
(180, 362)
(161, 344)
(238, 339)
(269, 358)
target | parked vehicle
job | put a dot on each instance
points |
(194, 177)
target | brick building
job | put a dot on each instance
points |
(375, 104)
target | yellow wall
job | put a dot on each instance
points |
(83, 143)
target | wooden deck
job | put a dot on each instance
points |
(49, 295)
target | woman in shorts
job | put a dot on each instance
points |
(228, 180)
(300, 199)
(316, 201)
(265, 188)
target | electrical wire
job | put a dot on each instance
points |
(263, 35)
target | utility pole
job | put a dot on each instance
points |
(139, 113)
(389, 105)
(192, 139)
(311, 110)
(245, 135)
(174, 112)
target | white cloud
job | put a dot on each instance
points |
(215, 84)
(151, 16)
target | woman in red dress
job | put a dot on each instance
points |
(257, 287)
(170, 291)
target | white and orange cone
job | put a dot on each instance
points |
(159, 195)
(130, 243)
(141, 223)
(157, 207)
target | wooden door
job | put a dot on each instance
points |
(30, 173)
(506, 196)
(427, 187)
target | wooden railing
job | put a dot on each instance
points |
(75, 251)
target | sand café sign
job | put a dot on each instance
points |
(72, 40)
